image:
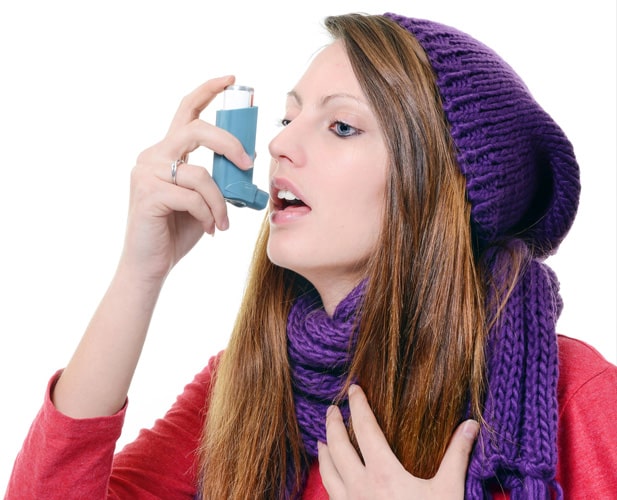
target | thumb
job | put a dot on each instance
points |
(456, 458)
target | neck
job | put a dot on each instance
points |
(333, 291)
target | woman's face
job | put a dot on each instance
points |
(328, 176)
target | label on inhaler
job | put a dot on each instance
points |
(239, 117)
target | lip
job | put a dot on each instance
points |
(279, 216)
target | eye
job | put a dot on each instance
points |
(283, 122)
(343, 129)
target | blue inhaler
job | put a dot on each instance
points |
(239, 117)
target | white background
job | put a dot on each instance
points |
(85, 86)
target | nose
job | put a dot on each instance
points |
(289, 144)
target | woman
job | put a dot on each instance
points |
(397, 289)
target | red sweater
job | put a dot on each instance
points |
(64, 458)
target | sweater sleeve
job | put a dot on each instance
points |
(587, 439)
(66, 458)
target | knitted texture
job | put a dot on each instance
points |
(517, 447)
(320, 349)
(521, 172)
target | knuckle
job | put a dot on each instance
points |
(189, 106)
(137, 175)
(361, 490)
(381, 480)
(194, 127)
(141, 158)
(187, 101)
(141, 182)
(195, 201)
(198, 207)
(218, 207)
(140, 190)
(147, 154)
(202, 176)
(238, 149)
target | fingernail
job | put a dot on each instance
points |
(470, 429)
(330, 410)
(352, 389)
(224, 224)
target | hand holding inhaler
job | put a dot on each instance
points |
(239, 117)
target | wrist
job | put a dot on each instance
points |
(133, 277)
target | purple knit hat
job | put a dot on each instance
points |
(523, 185)
(522, 176)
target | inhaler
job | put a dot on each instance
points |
(239, 117)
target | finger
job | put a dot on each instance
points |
(456, 458)
(371, 440)
(163, 198)
(185, 200)
(199, 133)
(330, 477)
(196, 178)
(343, 454)
(194, 103)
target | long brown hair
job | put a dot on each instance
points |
(420, 350)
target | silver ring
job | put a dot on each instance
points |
(174, 170)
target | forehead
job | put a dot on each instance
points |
(330, 70)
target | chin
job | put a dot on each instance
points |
(285, 254)
(284, 257)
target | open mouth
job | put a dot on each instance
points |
(286, 199)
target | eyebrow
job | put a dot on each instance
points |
(340, 95)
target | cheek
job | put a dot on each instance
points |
(356, 217)
(370, 205)
(369, 190)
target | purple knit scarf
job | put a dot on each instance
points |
(516, 450)
(320, 349)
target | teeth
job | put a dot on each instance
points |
(284, 194)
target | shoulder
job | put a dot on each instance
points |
(199, 389)
(571, 349)
(580, 366)
(208, 374)
(587, 432)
